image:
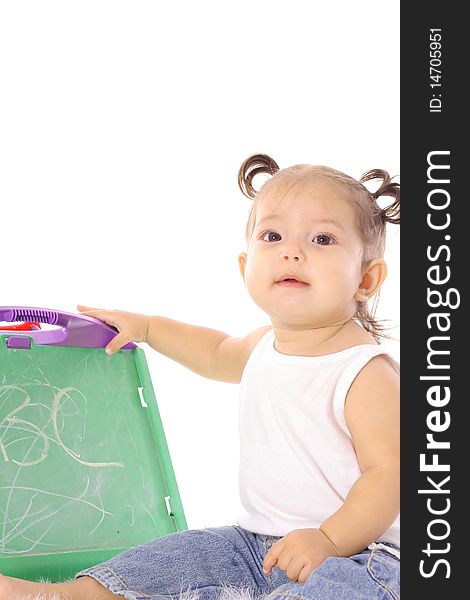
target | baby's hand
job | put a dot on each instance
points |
(132, 327)
(298, 553)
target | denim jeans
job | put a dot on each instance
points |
(209, 561)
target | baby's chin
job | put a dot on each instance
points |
(292, 312)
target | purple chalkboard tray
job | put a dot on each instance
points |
(69, 329)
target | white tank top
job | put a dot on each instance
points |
(297, 460)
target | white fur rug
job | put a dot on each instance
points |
(226, 593)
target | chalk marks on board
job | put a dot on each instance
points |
(44, 513)
(29, 428)
(11, 421)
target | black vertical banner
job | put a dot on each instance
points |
(435, 250)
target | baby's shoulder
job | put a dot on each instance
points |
(251, 339)
(377, 381)
(372, 409)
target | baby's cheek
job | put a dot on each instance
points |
(255, 273)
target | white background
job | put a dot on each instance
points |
(122, 128)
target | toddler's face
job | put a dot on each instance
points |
(303, 265)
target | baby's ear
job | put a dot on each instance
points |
(242, 264)
(373, 276)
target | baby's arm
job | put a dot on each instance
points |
(205, 351)
(372, 413)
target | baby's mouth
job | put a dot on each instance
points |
(289, 281)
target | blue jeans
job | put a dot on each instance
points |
(208, 561)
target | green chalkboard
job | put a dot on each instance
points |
(84, 467)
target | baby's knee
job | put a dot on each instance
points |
(85, 587)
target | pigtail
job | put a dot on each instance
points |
(391, 213)
(254, 165)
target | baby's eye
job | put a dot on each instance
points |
(270, 236)
(324, 239)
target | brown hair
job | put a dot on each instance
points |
(370, 217)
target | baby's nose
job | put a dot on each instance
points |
(291, 253)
